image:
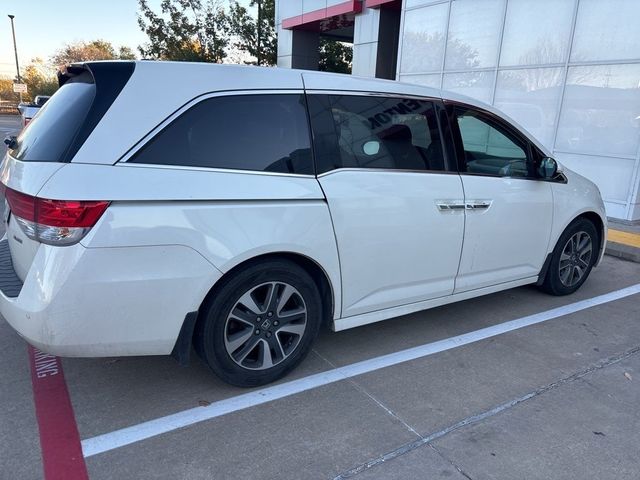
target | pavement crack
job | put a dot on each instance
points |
(362, 390)
(386, 409)
(450, 462)
(589, 329)
(428, 439)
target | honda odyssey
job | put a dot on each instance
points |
(152, 206)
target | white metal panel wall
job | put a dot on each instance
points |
(365, 42)
(568, 70)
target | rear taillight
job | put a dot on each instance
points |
(27, 121)
(55, 222)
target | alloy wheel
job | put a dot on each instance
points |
(575, 258)
(265, 325)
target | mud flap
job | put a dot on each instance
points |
(182, 349)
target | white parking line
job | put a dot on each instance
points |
(152, 428)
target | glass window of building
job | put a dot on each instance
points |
(531, 97)
(473, 84)
(607, 30)
(534, 36)
(474, 34)
(428, 80)
(601, 111)
(424, 39)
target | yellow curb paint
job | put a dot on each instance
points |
(625, 238)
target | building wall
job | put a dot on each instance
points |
(365, 43)
(567, 70)
(296, 27)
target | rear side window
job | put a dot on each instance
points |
(51, 132)
(244, 132)
(375, 132)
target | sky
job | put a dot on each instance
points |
(43, 26)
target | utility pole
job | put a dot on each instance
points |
(259, 31)
(15, 50)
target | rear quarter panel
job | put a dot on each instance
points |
(26, 177)
(227, 217)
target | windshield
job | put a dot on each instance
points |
(53, 128)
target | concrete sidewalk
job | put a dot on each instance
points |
(624, 241)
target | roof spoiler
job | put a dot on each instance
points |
(90, 71)
(67, 72)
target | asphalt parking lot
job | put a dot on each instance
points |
(9, 125)
(556, 399)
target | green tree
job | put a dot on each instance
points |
(125, 53)
(335, 56)
(87, 51)
(40, 79)
(186, 30)
(8, 99)
(257, 37)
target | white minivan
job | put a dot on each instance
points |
(152, 206)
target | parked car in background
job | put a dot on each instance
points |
(29, 110)
(248, 206)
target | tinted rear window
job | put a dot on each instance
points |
(353, 131)
(50, 133)
(243, 132)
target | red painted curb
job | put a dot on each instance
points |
(59, 438)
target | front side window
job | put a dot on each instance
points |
(243, 132)
(375, 132)
(489, 148)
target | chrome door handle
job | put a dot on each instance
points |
(478, 205)
(450, 206)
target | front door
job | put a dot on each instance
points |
(381, 165)
(508, 212)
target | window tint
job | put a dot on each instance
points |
(52, 130)
(375, 132)
(489, 148)
(245, 132)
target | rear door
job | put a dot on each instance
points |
(381, 165)
(509, 210)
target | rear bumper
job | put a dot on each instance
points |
(78, 301)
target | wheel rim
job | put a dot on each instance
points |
(265, 325)
(575, 259)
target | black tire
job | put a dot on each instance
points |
(553, 283)
(212, 337)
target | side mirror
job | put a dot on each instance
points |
(11, 142)
(548, 168)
